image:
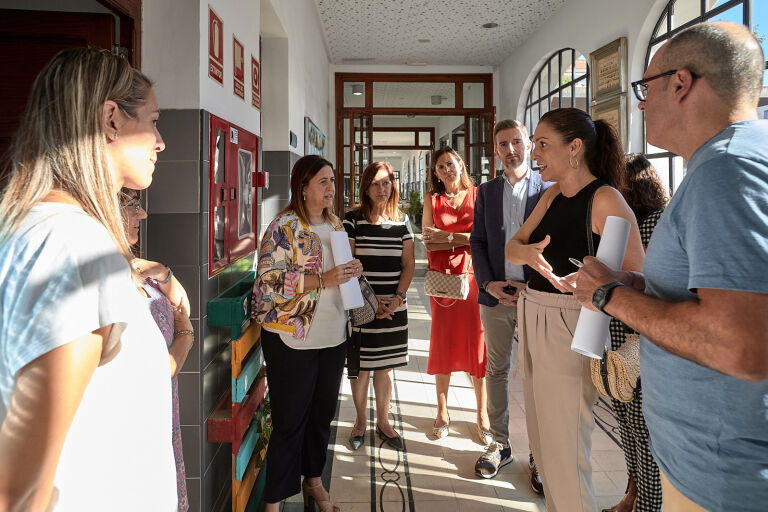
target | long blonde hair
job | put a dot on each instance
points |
(61, 143)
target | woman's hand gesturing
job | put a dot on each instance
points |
(340, 274)
(536, 258)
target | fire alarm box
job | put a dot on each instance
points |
(232, 219)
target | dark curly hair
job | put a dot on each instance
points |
(643, 188)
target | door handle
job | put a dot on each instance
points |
(233, 193)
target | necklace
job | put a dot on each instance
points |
(453, 195)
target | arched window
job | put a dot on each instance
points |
(681, 14)
(563, 81)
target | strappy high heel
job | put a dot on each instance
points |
(441, 432)
(310, 500)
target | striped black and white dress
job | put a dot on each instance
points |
(379, 247)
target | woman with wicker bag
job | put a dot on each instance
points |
(646, 195)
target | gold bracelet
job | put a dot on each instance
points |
(176, 334)
(320, 278)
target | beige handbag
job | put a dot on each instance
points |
(448, 286)
(616, 374)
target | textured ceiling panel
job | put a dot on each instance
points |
(387, 31)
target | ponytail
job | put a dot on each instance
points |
(602, 149)
(606, 157)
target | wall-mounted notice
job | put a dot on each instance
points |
(608, 70)
(215, 46)
(255, 83)
(314, 139)
(238, 69)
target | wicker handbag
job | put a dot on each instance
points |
(448, 286)
(616, 374)
(367, 312)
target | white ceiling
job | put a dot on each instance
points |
(387, 31)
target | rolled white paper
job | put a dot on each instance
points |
(351, 296)
(592, 334)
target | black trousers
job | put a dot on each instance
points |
(304, 391)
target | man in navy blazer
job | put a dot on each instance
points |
(502, 206)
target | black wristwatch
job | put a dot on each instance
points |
(602, 294)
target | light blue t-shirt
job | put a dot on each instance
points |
(61, 277)
(709, 431)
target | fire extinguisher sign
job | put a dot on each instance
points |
(215, 46)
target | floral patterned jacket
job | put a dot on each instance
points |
(288, 250)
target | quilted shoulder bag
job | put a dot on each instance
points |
(367, 312)
(448, 286)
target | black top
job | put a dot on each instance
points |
(566, 224)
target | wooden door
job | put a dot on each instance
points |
(28, 40)
(479, 155)
(358, 150)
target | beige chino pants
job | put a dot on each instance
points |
(559, 396)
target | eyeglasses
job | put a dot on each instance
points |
(640, 87)
(135, 206)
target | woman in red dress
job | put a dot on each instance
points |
(456, 340)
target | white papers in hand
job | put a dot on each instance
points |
(351, 295)
(592, 331)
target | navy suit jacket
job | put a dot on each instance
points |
(488, 238)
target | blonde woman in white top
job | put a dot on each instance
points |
(74, 331)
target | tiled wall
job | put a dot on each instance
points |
(278, 164)
(177, 235)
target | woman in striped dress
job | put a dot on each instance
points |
(382, 239)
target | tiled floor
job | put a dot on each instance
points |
(438, 475)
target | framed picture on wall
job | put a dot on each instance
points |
(608, 70)
(314, 139)
(614, 112)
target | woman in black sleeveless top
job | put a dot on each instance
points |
(585, 160)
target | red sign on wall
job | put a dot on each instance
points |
(238, 69)
(215, 46)
(255, 83)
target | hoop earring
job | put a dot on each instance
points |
(570, 161)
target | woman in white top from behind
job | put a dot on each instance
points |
(85, 403)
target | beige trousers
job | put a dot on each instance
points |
(559, 396)
(674, 500)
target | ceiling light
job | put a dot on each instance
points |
(423, 40)
(415, 63)
(357, 90)
(490, 25)
(436, 99)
